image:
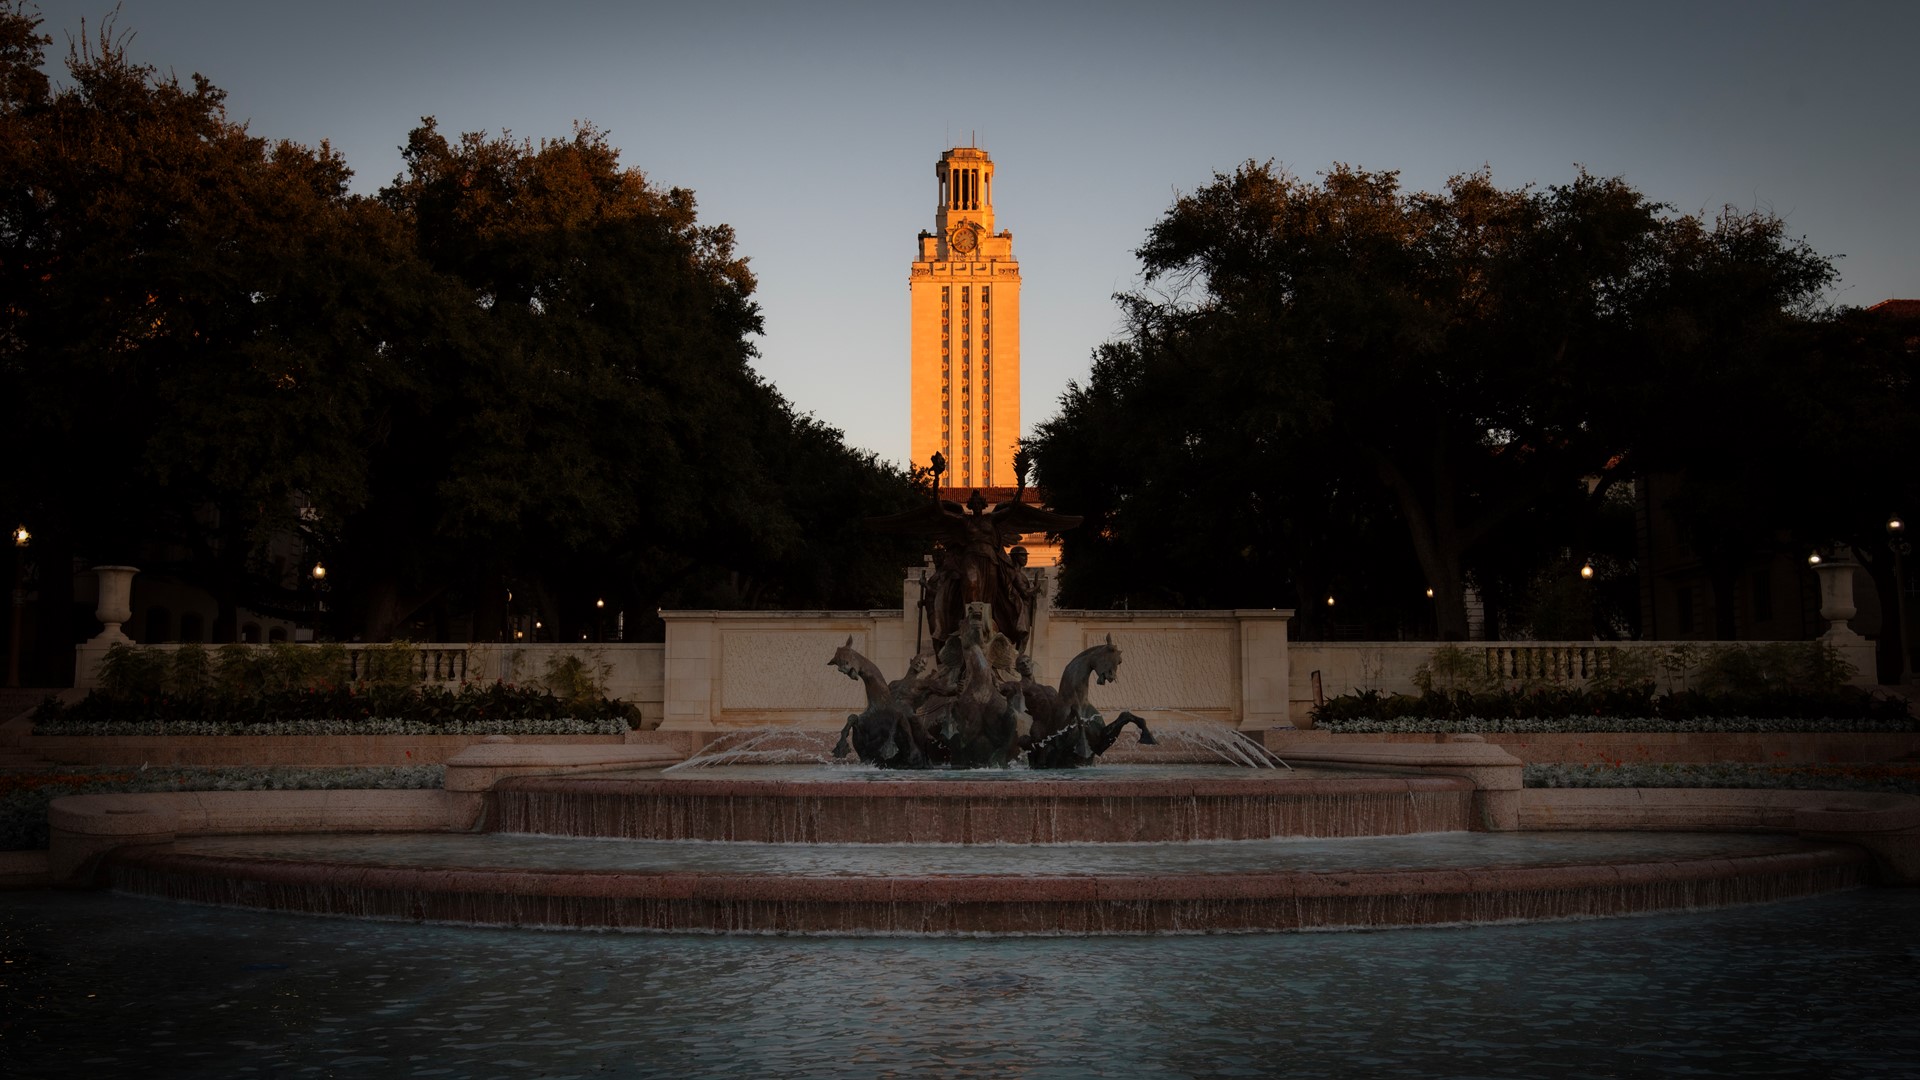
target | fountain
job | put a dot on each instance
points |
(979, 804)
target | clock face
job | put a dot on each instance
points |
(962, 239)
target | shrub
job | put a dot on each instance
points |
(245, 689)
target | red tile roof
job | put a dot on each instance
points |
(1897, 309)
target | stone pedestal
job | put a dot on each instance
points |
(1837, 606)
(114, 608)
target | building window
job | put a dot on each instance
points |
(1762, 596)
(192, 628)
(1683, 608)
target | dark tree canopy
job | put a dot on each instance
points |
(1347, 389)
(521, 366)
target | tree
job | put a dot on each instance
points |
(1359, 361)
(599, 410)
(520, 366)
(159, 266)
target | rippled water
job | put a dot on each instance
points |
(99, 985)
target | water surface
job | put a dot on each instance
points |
(102, 985)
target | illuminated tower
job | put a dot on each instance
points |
(965, 292)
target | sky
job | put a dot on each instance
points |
(813, 128)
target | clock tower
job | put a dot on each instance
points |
(964, 289)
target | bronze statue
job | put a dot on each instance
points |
(978, 706)
(971, 563)
(965, 715)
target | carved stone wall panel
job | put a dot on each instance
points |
(788, 670)
(1191, 668)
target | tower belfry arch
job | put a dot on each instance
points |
(964, 293)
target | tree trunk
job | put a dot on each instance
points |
(1436, 538)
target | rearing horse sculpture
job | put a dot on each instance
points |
(887, 732)
(1067, 730)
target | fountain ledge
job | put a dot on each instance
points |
(1884, 823)
(947, 904)
(1496, 775)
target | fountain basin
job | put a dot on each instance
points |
(972, 889)
(829, 805)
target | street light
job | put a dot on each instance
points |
(21, 538)
(1901, 547)
(1586, 571)
(319, 571)
(1813, 558)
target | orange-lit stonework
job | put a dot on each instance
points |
(965, 292)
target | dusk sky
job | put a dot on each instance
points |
(813, 128)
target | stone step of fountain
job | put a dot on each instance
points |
(862, 889)
(1132, 804)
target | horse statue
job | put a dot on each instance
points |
(1067, 731)
(981, 723)
(968, 715)
(888, 732)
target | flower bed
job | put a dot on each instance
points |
(307, 690)
(1892, 777)
(372, 725)
(1634, 725)
(24, 796)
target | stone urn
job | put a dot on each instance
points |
(116, 600)
(1836, 594)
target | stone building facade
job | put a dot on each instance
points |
(964, 287)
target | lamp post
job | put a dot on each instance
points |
(1901, 547)
(21, 538)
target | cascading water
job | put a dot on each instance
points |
(1178, 727)
(762, 746)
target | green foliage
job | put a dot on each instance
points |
(1599, 707)
(1452, 670)
(434, 706)
(572, 678)
(190, 671)
(389, 667)
(1780, 667)
(248, 685)
(130, 674)
(521, 365)
(1625, 669)
(1795, 680)
(1348, 389)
